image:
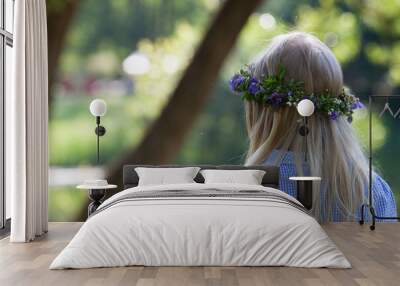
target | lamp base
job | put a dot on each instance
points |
(100, 130)
(96, 196)
(303, 130)
(304, 193)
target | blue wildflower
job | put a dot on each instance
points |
(254, 87)
(236, 81)
(276, 99)
(333, 115)
(357, 104)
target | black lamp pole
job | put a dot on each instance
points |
(100, 131)
(304, 132)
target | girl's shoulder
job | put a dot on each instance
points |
(384, 199)
(286, 157)
(379, 183)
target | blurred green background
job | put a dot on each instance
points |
(131, 53)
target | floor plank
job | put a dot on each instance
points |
(375, 257)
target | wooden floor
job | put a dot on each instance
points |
(375, 257)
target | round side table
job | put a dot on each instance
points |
(304, 189)
(96, 195)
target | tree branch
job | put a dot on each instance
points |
(59, 18)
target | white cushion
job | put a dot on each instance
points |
(248, 177)
(164, 176)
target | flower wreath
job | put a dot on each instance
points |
(276, 92)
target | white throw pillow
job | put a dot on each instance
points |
(164, 176)
(248, 177)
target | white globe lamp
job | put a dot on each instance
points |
(305, 108)
(98, 107)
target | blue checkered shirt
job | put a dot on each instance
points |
(383, 198)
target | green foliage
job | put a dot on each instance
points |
(338, 29)
(65, 203)
(380, 20)
(361, 123)
(117, 26)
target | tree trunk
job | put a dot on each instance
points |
(165, 137)
(59, 18)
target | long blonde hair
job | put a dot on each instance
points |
(334, 153)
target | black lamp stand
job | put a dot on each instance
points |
(304, 132)
(97, 195)
(100, 131)
(305, 185)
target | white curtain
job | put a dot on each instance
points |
(27, 123)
